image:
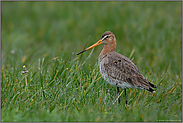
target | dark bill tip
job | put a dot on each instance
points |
(81, 52)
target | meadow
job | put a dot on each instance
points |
(60, 86)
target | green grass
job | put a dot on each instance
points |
(46, 36)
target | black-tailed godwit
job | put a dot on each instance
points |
(118, 70)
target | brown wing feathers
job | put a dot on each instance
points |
(124, 69)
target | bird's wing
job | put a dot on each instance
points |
(123, 69)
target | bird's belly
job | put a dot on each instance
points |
(117, 83)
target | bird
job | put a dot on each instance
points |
(118, 70)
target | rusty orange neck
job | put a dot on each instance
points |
(108, 48)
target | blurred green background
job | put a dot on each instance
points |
(35, 30)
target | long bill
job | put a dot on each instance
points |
(94, 45)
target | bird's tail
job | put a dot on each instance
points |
(150, 88)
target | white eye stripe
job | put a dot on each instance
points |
(105, 37)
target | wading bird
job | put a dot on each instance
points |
(118, 70)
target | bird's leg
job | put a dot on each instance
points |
(125, 98)
(119, 98)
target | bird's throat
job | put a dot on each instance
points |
(108, 48)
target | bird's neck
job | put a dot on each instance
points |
(108, 48)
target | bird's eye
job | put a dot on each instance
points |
(107, 36)
(104, 37)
